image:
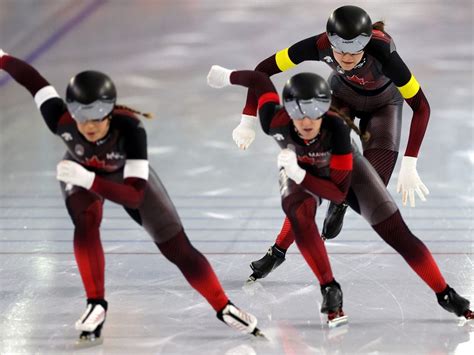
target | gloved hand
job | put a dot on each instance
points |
(287, 160)
(409, 182)
(218, 77)
(244, 134)
(73, 173)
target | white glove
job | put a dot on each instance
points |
(287, 160)
(73, 173)
(218, 77)
(244, 134)
(409, 182)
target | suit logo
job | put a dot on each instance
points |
(357, 80)
(67, 136)
(79, 149)
(114, 155)
(278, 137)
(328, 59)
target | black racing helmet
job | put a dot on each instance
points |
(90, 95)
(306, 95)
(349, 29)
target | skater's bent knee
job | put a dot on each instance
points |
(381, 212)
(178, 249)
(88, 218)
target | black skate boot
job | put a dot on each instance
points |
(333, 222)
(91, 322)
(242, 321)
(452, 302)
(332, 304)
(262, 267)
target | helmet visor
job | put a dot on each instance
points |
(352, 46)
(94, 111)
(312, 108)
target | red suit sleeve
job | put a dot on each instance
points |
(335, 189)
(129, 193)
(51, 106)
(267, 99)
(269, 67)
(23, 73)
(419, 122)
(307, 49)
(396, 69)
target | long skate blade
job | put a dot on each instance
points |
(83, 343)
(258, 333)
(251, 279)
(338, 321)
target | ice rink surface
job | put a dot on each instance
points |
(158, 53)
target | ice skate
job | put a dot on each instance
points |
(334, 219)
(91, 322)
(262, 267)
(242, 321)
(452, 302)
(332, 304)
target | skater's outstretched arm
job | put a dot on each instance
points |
(271, 112)
(51, 106)
(394, 68)
(281, 61)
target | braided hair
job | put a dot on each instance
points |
(363, 136)
(147, 115)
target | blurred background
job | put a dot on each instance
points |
(158, 53)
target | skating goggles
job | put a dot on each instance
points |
(351, 46)
(95, 111)
(313, 108)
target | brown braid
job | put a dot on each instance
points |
(379, 26)
(363, 136)
(126, 108)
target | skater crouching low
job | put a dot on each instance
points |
(317, 162)
(106, 158)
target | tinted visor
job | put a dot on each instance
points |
(312, 108)
(94, 111)
(351, 46)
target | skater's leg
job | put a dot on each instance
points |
(383, 161)
(300, 208)
(376, 205)
(286, 237)
(158, 216)
(381, 150)
(85, 209)
(195, 268)
(395, 232)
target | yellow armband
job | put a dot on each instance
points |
(409, 89)
(283, 60)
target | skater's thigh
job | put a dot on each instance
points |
(293, 195)
(368, 194)
(384, 126)
(79, 200)
(157, 213)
